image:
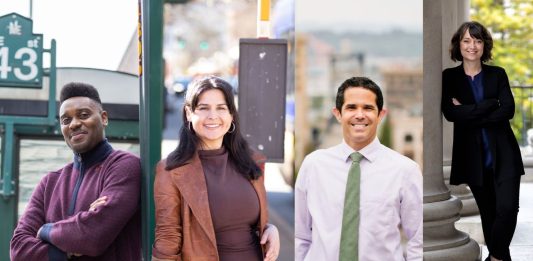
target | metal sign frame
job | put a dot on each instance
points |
(21, 53)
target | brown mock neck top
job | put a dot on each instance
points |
(234, 207)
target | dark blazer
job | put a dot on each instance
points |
(184, 229)
(492, 114)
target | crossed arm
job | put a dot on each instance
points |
(88, 232)
(25, 245)
(482, 114)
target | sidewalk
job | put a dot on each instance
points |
(281, 209)
(522, 244)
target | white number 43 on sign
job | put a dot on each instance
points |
(28, 57)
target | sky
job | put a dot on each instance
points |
(359, 15)
(95, 33)
(88, 33)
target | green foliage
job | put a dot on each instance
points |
(385, 135)
(511, 25)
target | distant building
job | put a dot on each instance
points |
(403, 96)
(325, 59)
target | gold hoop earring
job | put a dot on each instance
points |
(234, 127)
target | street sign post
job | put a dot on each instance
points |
(21, 66)
(21, 53)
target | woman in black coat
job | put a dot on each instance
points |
(477, 98)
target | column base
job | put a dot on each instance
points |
(467, 252)
(465, 195)
(442, 241)
(462, 192)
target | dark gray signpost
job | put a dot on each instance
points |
(262, 91)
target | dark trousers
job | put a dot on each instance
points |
(498, 207)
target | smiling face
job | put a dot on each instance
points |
(82, 123)
(211, 118)
(359, 117)
(471, 48)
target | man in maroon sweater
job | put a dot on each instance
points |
(89, 209)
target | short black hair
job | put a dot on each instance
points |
(477, 31)
(359, 82)
(79, 89)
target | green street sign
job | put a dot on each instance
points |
(21, 53)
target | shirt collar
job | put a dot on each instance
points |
(476, 77)
(369, 152)
(96, 155)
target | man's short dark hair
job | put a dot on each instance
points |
(477, 31)
(78, 89)
(359, 82)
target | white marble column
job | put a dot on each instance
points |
(441, 210)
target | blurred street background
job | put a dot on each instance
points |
(199, 38)
(333, 40)
(359, 38)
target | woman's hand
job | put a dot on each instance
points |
(271, 241)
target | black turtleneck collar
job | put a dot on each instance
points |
(96, 155)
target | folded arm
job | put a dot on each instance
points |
(464, 113)
(482, 114)
(25, 245)
(505, 110)
(92, 231)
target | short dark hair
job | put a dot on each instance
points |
(359, 82)
(476, 30)
(79, 89)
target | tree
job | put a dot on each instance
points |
(385, 135)
(511, 25)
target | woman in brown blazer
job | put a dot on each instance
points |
(210, 199)
(477, 98)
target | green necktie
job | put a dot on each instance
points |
(349, 249)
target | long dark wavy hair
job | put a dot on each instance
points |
(239, 152)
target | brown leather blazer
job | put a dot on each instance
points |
(184, 229)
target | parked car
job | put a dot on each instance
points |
(179, 86)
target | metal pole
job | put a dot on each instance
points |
(151, 109)
(8, 201)
(7, 158)
(52, 107)
(263, 19)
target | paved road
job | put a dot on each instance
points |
(281, 209)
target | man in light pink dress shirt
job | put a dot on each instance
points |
(390, 187)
